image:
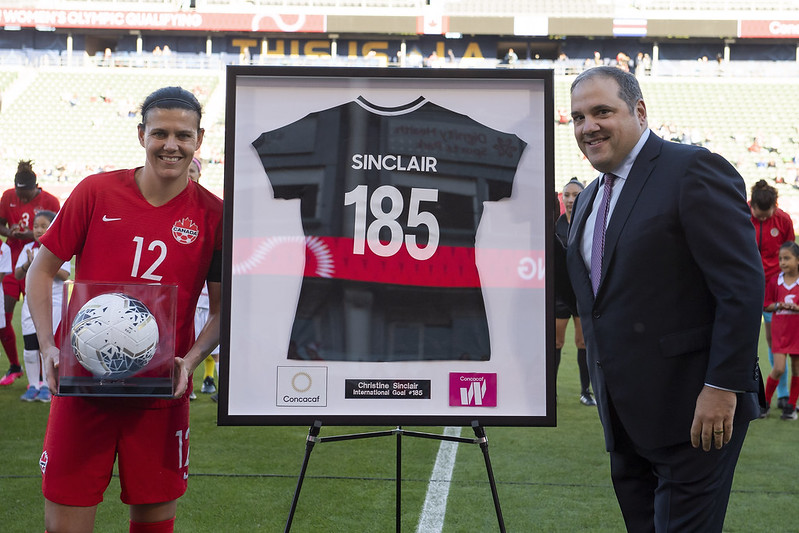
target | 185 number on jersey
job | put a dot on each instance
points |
(386, 217)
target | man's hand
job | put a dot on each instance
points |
(712, 425)
(50, 364)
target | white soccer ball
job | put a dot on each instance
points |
(114, 335)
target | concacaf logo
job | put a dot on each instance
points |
(185, 231)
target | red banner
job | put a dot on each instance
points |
(332, 257)
(162, 20)
(777, 29)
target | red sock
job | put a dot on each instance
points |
(166, 526)
(9, 340)
(771, 386)
(794, 395)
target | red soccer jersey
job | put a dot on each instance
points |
(771, 234)
(118, 236)
(15, 212)
(784, 323)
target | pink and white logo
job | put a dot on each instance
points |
(472, 389)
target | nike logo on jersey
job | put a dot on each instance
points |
(106, 218)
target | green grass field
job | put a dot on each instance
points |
(549, 479)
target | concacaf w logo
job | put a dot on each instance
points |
(472, 389)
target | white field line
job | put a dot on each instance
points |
(435, 503)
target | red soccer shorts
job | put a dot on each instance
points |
(85, 435)
(13, 287)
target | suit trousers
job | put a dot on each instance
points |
(675, 488)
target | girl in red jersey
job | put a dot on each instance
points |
(782, 298)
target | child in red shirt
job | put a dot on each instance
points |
(782, 297)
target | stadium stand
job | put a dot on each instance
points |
(74, 122)
(61, 118)
(725, 115)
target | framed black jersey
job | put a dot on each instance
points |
(387, 236)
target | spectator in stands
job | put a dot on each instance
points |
(18, 208)
(565, 306)
(510, 58)
(640, 69)
(773, 226)
(149, 437)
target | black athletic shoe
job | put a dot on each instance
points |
(209, 387)
(782, 402)
(789, 413)
(587, 399)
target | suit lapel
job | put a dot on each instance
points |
(639, 174)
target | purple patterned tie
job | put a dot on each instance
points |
(598, 245)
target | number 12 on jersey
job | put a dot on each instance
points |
(362, 235)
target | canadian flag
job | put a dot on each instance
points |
(433, 22)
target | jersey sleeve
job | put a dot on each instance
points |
(23, 256)
(278, 146)
(771, 292)
(4, 206)
(5, 258)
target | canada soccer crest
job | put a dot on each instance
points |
(185, 231)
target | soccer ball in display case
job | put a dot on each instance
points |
(114, 336)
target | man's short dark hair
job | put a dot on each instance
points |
(629, 89)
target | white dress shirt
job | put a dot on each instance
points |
(621, 172)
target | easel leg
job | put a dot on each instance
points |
(480, 433)
(313, 434)
(399, 480)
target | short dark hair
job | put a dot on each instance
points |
(629, 89)
(764, 196)
(171, 98)
(49, 215)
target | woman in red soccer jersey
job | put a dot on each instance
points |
(782, 298)
(18, 207)
(773, 226)
(101, 224)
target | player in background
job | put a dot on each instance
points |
(18, 206)
(201, 314)
(37, 381)
(145, 225)
(782, 298)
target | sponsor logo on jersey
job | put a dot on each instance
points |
(472, 389)
(301, 386)
(43, 461)
(185, 231)
(106, 218)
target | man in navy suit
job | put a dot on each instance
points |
(670, 294)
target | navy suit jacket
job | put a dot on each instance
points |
(681, 294)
